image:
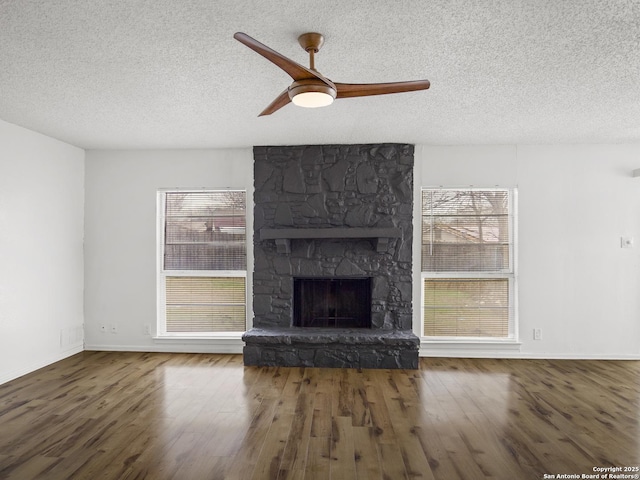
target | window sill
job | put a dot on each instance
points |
(200, 344)
(471, 348)
(199, 338)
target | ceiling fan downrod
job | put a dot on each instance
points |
(311, 42)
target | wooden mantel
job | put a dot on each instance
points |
(283, 236)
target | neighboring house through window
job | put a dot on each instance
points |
(202, 262)
(468, 264)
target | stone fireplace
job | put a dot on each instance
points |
(332, 280)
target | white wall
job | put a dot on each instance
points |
(575, 202)
(575, 281)
(120, 238)
(41, 258)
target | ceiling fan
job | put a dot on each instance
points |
(309, 87)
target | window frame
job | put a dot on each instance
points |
(509, 274)
(162, 273)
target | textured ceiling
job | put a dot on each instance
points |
(168, 74)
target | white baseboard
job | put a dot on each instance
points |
(32, 367)
(489, 353)
(175, 346)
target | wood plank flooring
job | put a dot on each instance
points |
(115, 415)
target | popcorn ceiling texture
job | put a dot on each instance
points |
(166, 74)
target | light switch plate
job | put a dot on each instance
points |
(626, 242)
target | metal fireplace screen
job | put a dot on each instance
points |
(332, 302)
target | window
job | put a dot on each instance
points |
(468, 274)
(202, 262)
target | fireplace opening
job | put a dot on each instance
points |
(332, 302)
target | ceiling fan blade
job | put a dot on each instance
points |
(346, 90)
(294, 69)
(280, 101)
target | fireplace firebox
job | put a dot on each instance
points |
(332, 302)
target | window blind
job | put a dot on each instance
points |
(205, 304)
(205, 231)
(465, 231)
(466, 307)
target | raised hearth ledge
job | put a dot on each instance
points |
(358, 336)
(331, 347)
(283, 236)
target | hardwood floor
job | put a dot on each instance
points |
(119, 416)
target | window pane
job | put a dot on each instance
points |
(465, 231)
(205, 304)
(466, 307)
(205, 231)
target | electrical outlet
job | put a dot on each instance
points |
(147, 329)
(103, 328)
(113, 328)
(537, 334)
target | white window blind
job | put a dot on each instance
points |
(468, 263)
(466, 307)
(465, 231)
(205, 304)
(203, 262)
(205, 231)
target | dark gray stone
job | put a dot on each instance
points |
(261, 304)
(347, 268)
(262, 173)
(309, 155)
(401, 186)
(307, 211)
(366, 179)
(320, 336)
(283, 215)
(405, 321)
(293, 180)
(305, 267)
(359, 216)
(335, 176)
(335, 348)
(333, 249)
(387, 152)
(328, 206)
(380, 287)
(406, 290)
(317, 203)
(377, 320)
(261, 262)
(390, 320)
(303, 249)
(251, 354)
(282, 265)
(404, 251)
(258, 217)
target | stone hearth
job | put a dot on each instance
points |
(322, 347)
(333, 211)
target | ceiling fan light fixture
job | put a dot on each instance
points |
(312, 99)
(311, 94)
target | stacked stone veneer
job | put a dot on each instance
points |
(347, 188)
